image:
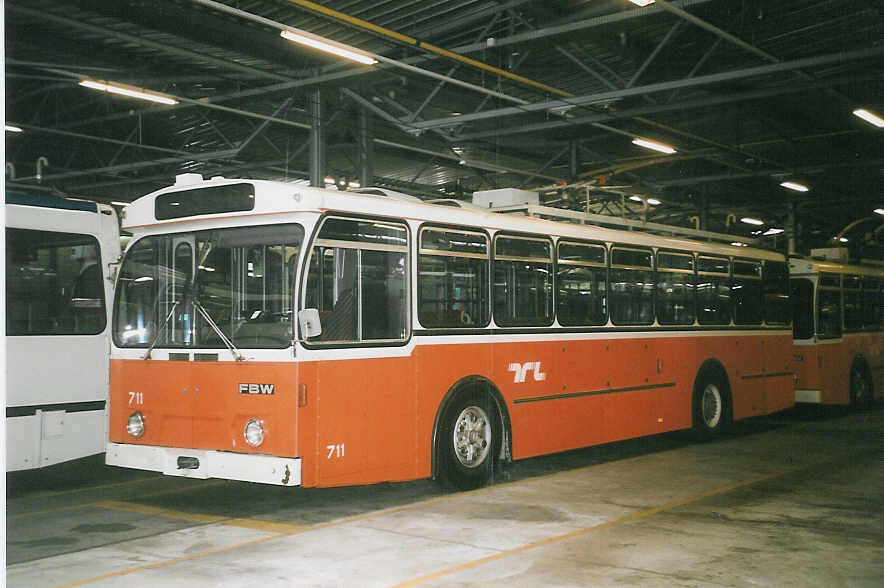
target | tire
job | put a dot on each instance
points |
(711, 404)
(469, 440)
(861, 392)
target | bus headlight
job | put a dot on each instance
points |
(254, 432)
(135, 424)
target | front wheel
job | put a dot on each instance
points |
(710, 405)
(469, 441)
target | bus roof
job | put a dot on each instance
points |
(279, 198)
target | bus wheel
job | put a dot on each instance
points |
(470, 439)
(710, 404)
(860, 388)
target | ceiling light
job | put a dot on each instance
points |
(654, 202)
(648, 144)
(879, 211)
(794, 186)
(738, 244)
(869, 117)
(642, 2)
(328, 46)
(773, 231)
(128, 91)
(752, 221)
(635, 198)
(12, 128)
(115, 203)
(843, 239)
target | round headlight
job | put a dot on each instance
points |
(135, 424)
(254, 432)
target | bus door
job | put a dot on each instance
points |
(364, 398)
(830, 371)
(751, 373)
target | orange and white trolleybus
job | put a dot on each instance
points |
(276, 333)
(839, 343)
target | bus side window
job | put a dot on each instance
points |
(828, 306)
(746, 292)
(853, 319)
(357, 279)
(453, 278)
(871, 310)
(523, 281)
(581, 284)
(632, 286)
(675, 288)
(775, 279)
(713, 290)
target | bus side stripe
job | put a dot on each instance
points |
(594, 393)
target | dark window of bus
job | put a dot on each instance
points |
(853, 319)
(828, 306)
(453, 278)
(632, 286)
(210, 200)
(713, 290)
(775, 278)
(675, 288)
(802, 305)
(357, 279)
(581, 284)
(54, 284)
(871, 308)
(746, 292)
(523, 281)
(198, 289)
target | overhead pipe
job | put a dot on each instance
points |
(41, 163)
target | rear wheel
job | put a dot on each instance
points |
(711, 404)
(860, 388)
(469, 439)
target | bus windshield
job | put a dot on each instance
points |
(194, 290)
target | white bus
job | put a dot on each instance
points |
(58, 252)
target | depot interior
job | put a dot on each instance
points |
(757, 118)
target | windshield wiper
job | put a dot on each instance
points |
(161, 331)
(233, 350)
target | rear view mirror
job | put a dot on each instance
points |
(308, 321)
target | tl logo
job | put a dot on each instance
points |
(521, 371)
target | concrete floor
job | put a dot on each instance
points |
(790, 500)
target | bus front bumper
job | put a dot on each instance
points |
(197, 463)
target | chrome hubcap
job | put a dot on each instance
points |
(472, 437)
(711, 406)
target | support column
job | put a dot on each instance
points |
(573, 162)
(792, 228)
(317, 138)
(366, 149)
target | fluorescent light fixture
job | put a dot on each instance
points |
(12, 128)
(328, 46)
(115, 203)
(654, 202)
(773, 231)
(648, 144)
(879, 211)
(869, 117)
(795, 186)
(329, 181)
(738, 244)
(642, 2)
(139, 93)
(843, 239)
(751, 221)
(635, 198)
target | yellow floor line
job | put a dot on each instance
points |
(255, 524)
(585, 531)
(549, 541)
(92, 504)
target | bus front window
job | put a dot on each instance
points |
(241, 279)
